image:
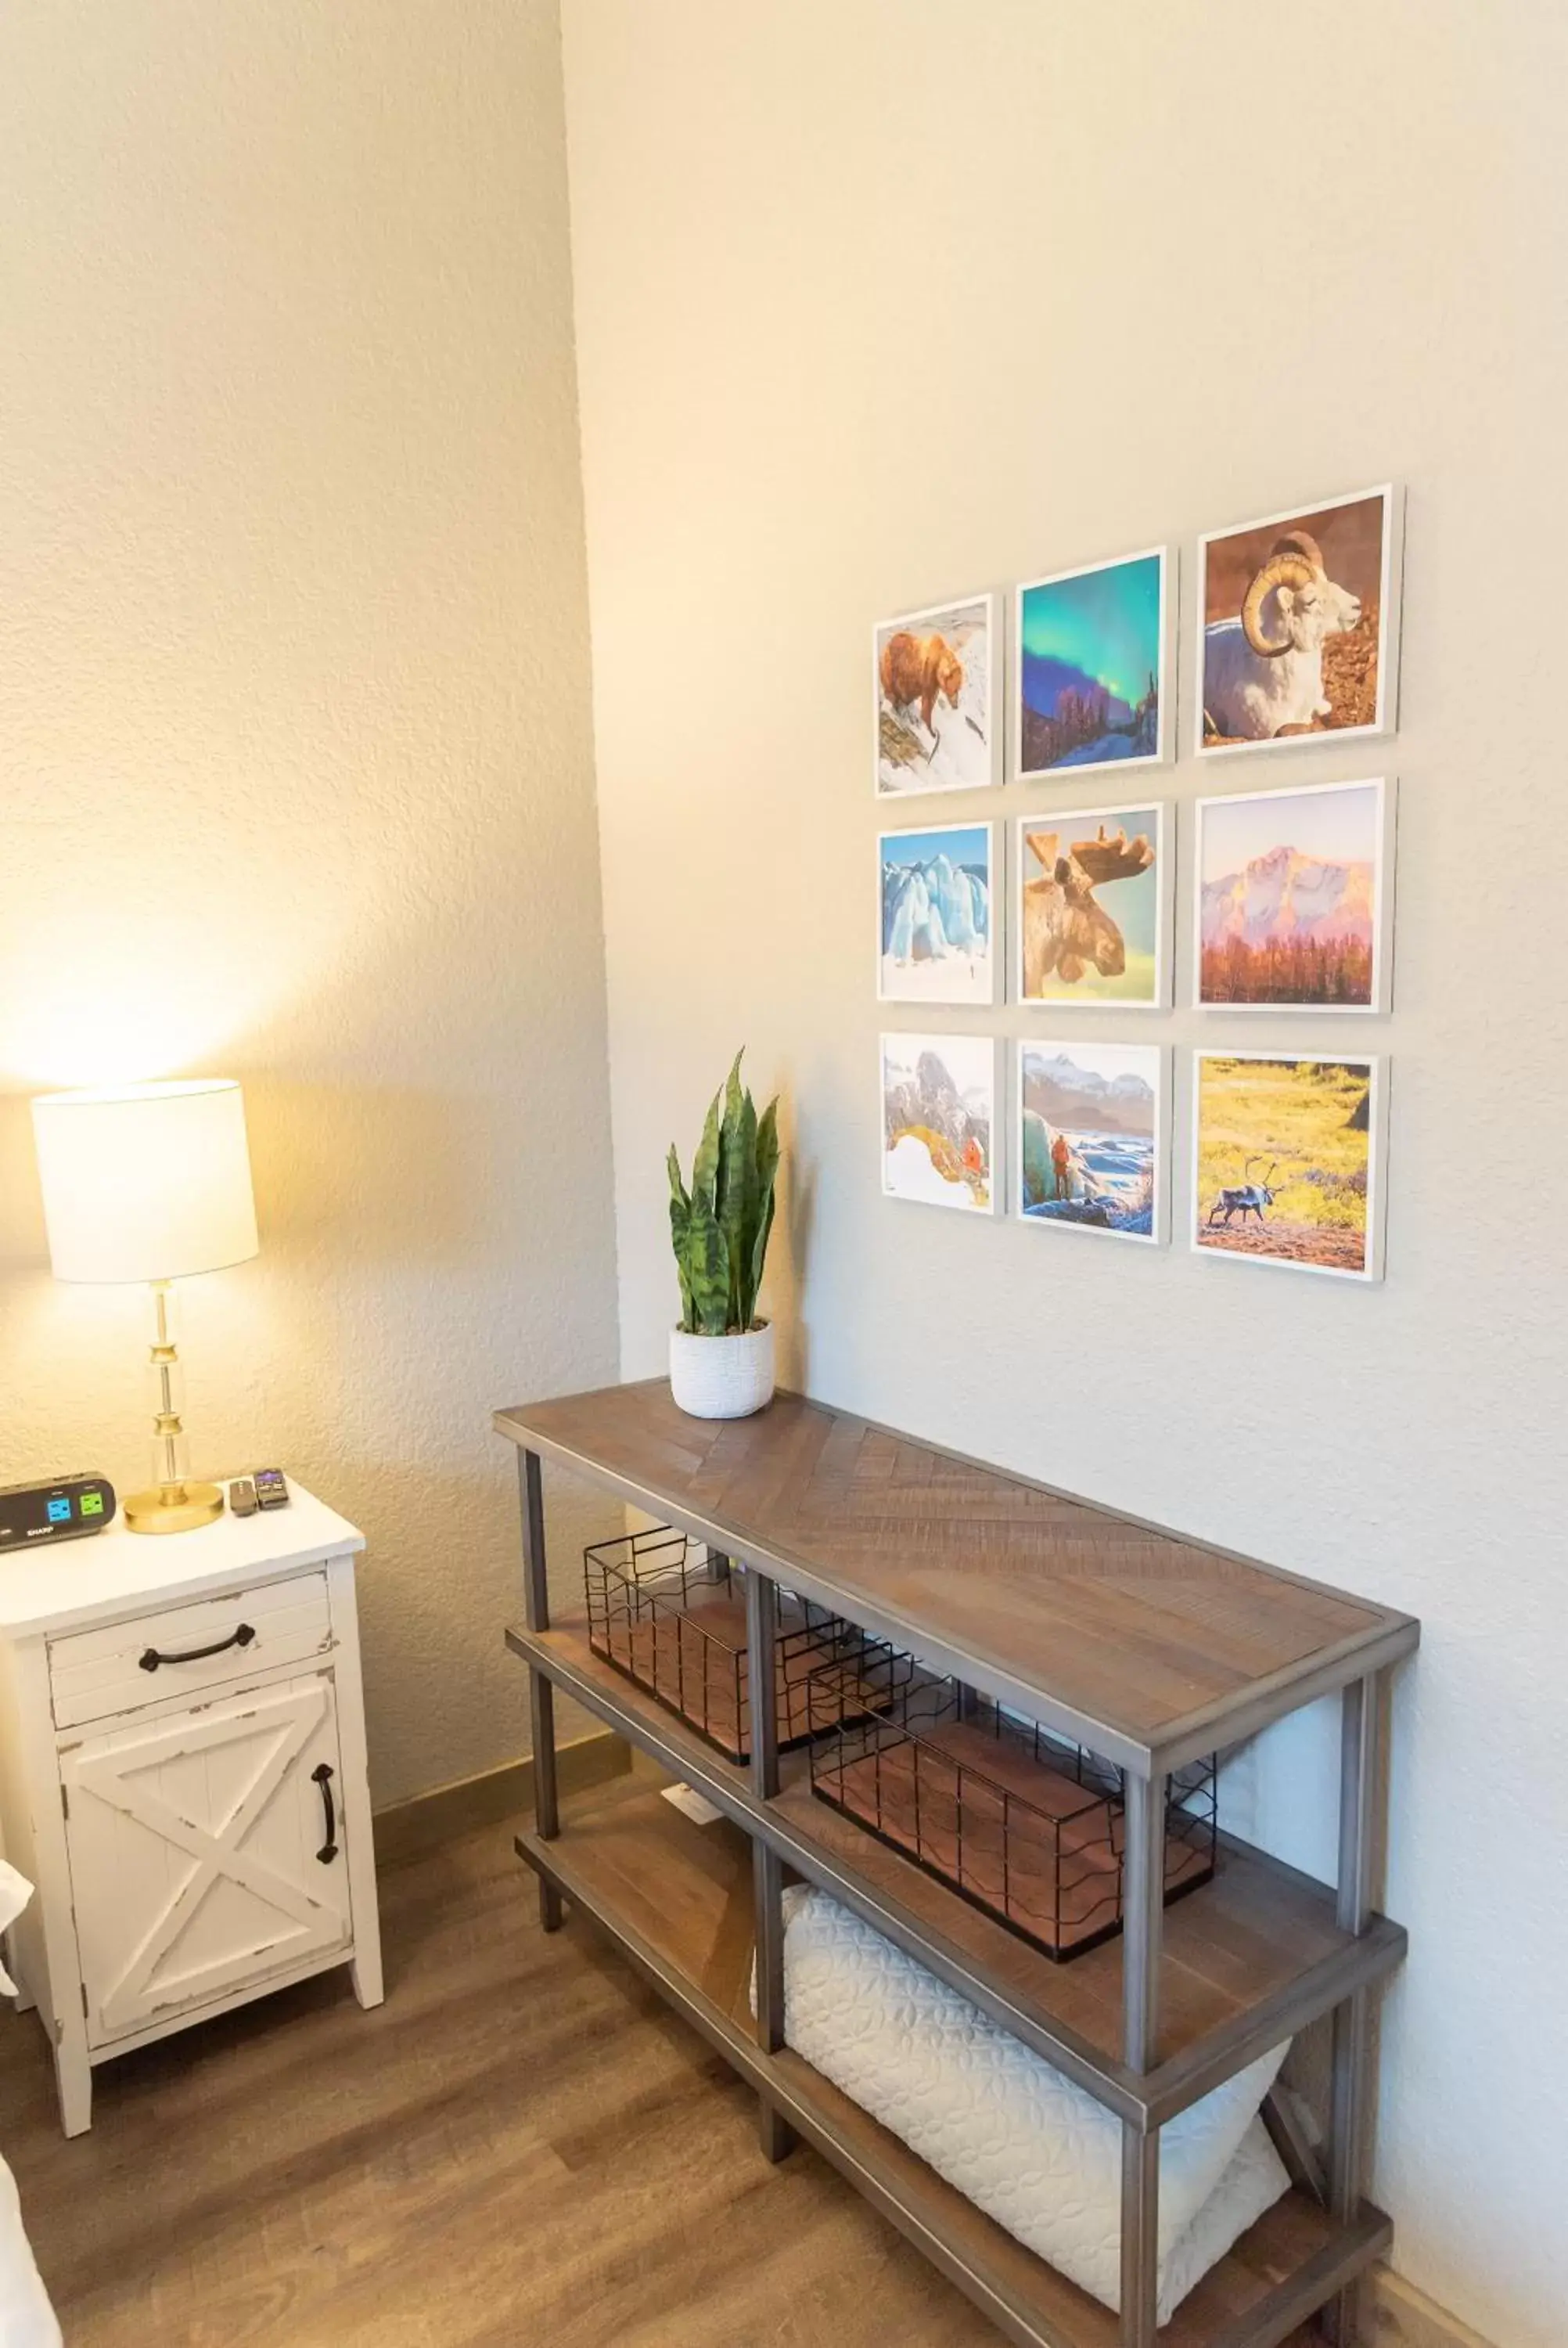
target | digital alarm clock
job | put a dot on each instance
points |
(62, 1510)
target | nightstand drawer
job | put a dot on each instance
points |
(183, 1649)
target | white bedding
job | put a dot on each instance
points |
(1037, 2153)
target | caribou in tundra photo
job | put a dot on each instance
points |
(1248, 1197)
(1288, 1160)
(1072, 946)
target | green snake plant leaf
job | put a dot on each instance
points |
(705, 1165)
(680, 1225)
(767, 1163)
(737, 1199)
(707, 1264)
(733, 1093)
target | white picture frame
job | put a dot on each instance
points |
(1225, 811)
(951, 987)
(1203, 1203)
(1052, 774)
(972, 1065)
(961, 766)
(1391, 571)
(1152, 1062)
(1025, 871)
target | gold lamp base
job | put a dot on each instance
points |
(174, 1504)
(172, 1508)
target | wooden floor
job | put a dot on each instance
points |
(522, 2145)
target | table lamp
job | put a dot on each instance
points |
(150, 1182)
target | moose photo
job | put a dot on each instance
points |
(1074, 945)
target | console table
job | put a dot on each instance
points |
(1148, 1649)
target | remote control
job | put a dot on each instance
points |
(271, 1492)
(242, 1498)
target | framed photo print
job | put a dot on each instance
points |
(1288, 1160)
(934, 696)
(1091, 908)
(938, 1121)
(1299, 624)
(1294, 898)
(1090, 1137)
(1092, 671)
(937, 906)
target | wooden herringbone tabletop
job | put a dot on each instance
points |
(1117, 1621)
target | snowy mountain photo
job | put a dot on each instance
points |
(1068, 1092)
(936, 909)
(1289, 897)
(1089, 1137)
(1287, 894)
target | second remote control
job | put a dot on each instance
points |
(271, 1492)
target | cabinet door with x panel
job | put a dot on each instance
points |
(205, 1852)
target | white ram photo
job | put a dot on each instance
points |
(1297, 625)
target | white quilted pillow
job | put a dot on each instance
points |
(1035, 2152)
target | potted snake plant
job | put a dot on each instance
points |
(721, 1354)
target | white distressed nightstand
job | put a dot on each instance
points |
(182, 1774)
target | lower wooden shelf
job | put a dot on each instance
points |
(677, 1899)
(1249, 1959)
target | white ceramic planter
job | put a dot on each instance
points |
(723, 1378)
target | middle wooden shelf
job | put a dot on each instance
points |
(1249, 1958)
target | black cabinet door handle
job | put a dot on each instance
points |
(322, 1775)
(152, 1661)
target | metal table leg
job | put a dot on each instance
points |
(541, 1694)
(1143, 1909)
(1140, 2236)
(1360, 1794)
(775, 2135)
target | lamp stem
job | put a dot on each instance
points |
(166, 1420)
(174, 1504)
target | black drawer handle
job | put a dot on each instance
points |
(243, 1637)
(322, 1775)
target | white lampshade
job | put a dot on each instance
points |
(146, 1182)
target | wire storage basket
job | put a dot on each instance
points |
(671, 1613)
(1023, 1824)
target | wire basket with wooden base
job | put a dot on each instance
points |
(671, 1613)
(1024, 1825)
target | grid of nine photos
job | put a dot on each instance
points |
(1071, 900)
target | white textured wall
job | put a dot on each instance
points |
(880, 303)
(295, 768)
